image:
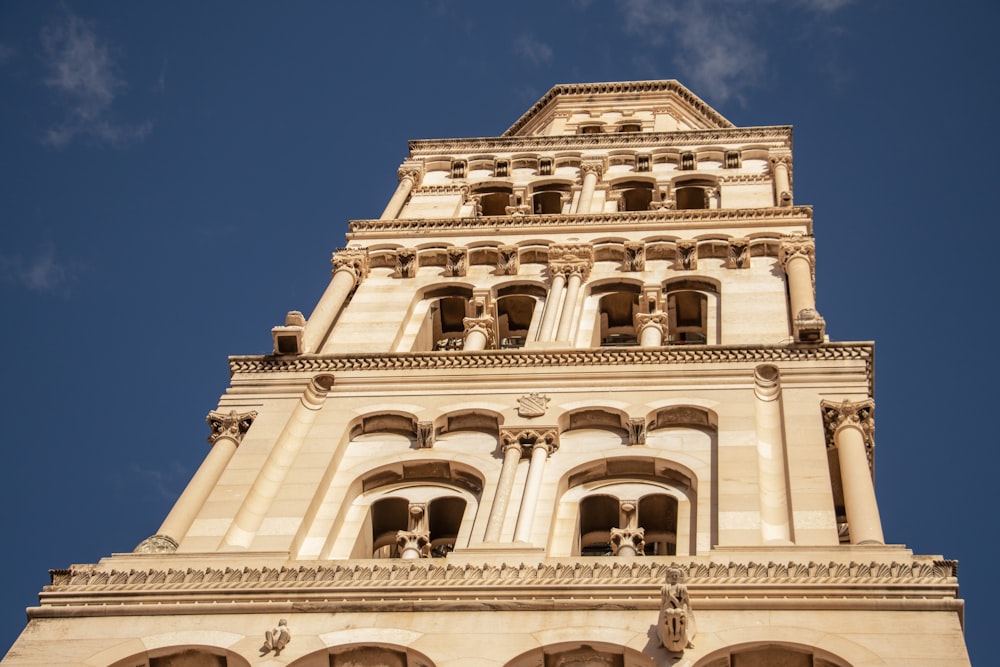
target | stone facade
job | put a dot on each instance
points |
(568, 401)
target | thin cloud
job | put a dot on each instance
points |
(7, 53)
(713, 42)
(533, 50)
(82, 73)
(41, 273)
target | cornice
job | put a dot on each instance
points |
(747, 217)
(568, 358)
(779, 134)
(431, 584)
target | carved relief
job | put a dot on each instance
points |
(457, 262)
(232, 425)
(687, 255)
(635, 256)
(508, 260)
(156, 544)
(406, 263)
(676, 626)
(636, 431)
(355, 259)
(739, 253)
(276, 639)
(860, 415)
(532, 405)
(425, 434)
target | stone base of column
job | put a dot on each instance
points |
(809, 326)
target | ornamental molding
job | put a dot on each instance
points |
(456, 189)
(664, 216)
(778, 135)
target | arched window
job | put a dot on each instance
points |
(598, 515)
(426, 518)
(548, 199)
(616, 309)
(447, 321)
(635, 195)
(691, 318)
(494, 200)
(628, 505)
(691, 197)
(514, 317)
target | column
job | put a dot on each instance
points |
(409, 176)
(782, 183)
(480, 333)
(797, 255)
(592, 172)
(227, 434)
(350, 267)
(569, 304)
(849, 428)
(772, 479)
(552, 303)
(544, 444)
(505, 485)
(272, 473)
(651, 327)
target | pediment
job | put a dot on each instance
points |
(662, 106)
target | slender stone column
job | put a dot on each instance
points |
(272, 474)
(480, 333)
(505, 485)
(552, 304)
(542, 446)
(782, 183)
(774, 521)
(591, 174)
(227, 433)
(797, 255)
(569, 304)
(409, 176)
(651, 328)
(350, 267)
(849, 428)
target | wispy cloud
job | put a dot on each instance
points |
(7, 53)
(713, 42)
(533, 50)
(82, 73)
(41, 272)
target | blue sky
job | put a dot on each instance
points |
(174, 176)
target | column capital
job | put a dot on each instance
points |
(629, 537)
(592, 167)
(414, 540)
(232, 425)
(406, 262)
(484, 324)
(658, 320)
(530, 437)
(859, 415)
(425, 434)
(457, 263)
(353, 259)
(797, 245)
(508, 260)
(569, 259)
(637, 431)
(414, 172)
(635, 256)
(782, 157)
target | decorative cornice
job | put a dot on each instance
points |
(743, 216)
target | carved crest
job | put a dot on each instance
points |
(532, 405)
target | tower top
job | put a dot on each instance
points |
(628, 101)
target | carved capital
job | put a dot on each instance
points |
(413, 172)
(354, 259)
(406, 263)
(635, 256)
(859, 415)
(637, 431)
(528, 438)
(233, 425)
(570, 259)
(687, 255)
(632, 538)
(425, 434)
(417, 543)
(797, 245)
(484, 324)
(592, 167)
(508, 260)
(458, 262)
(738, 254)
(782, 158)
(658, 320)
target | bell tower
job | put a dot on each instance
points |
(568, 401)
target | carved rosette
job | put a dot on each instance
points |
(637, 431)
(860, 415)
(425, 434)
(457, 262)
(484, 324)
(635, 256)
(508, 260)
(634, 538)
(738, 253)
(687, 255)
(232, 425)
(528, 437)
(406, 263)
(355, 259)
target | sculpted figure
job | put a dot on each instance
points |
(276, 639)
(676, 624)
